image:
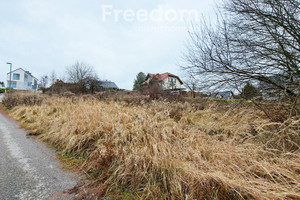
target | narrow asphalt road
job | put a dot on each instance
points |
(28, 169)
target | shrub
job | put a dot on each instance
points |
(154, 91)
(21, 98)
(68, 94)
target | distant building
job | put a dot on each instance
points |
(22, 80)
(108, 85)
(270, 92)
(166, 80)
(222, 95)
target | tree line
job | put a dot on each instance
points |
(80, 78)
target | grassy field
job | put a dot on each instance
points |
(170, 150)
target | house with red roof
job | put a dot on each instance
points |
(167, 81)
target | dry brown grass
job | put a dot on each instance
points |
(169, 150)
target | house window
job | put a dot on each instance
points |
(29, 84)
(172, 83)
(16, 76)
(25, 77)
(34, 86)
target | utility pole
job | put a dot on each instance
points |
(9, 74)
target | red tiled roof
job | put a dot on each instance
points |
(161, 77)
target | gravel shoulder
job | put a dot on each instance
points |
(29, 169)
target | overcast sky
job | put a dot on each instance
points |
(119, 38)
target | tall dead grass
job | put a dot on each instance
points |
(165, 150)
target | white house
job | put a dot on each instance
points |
(167, 81)
(222, 95)
(22, 80)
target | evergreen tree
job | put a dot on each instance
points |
(249, 91)
(138, 82)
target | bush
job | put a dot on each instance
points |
(68, 94)
(2, 90)
(17, 98)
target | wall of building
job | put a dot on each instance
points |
(171, 83)
(26, 81)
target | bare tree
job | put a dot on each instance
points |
(79, 72)
(53, 77)
(44, 81)
(192, 84)
(84, 77)
(254, 40)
